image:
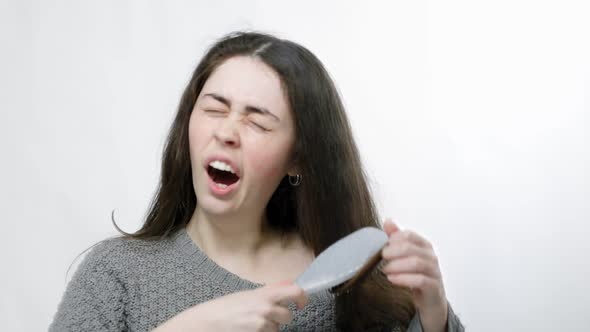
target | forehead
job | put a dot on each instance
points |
(247, 80)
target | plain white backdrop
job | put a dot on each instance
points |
(472, 118)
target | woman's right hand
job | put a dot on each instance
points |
(261, 309)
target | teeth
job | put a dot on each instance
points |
(220, 165)
(221, 185)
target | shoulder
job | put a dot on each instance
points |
(99, 291)
(123, 253)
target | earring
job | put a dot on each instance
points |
(295, 180)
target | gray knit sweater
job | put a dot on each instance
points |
(136, 285)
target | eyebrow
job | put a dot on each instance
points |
(249, 108)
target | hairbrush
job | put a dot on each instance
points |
(349, 258)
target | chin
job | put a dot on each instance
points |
(213, 206)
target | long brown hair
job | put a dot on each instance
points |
(333, 199)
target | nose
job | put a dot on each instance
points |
(227, 132)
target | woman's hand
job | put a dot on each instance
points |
(410, 261)
(261, 309)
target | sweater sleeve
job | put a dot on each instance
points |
(95, 298)
(453, 323)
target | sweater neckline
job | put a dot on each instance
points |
(215, 271)
(207, 266)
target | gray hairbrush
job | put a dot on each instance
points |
(342, 260)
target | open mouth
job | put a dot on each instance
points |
(222, 178)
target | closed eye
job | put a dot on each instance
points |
(258, 126)
(214, 112)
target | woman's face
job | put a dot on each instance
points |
(241, 136)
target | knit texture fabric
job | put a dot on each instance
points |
(136, 285)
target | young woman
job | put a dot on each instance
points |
(260, 174)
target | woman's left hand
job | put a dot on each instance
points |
(410, 261)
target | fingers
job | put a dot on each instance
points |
(411, 264)
(389, 227)
(413, 281)
(266, 325)
(409, 261)
(278, 297)
(279, 315)
(271, 327)
(283, 293)
(404, 249)
(408, 253)
(409, 236)
(396, 234)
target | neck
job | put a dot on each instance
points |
(221, 235)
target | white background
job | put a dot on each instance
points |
(472, 118)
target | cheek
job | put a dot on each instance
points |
(270, 161)
(198, 132)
